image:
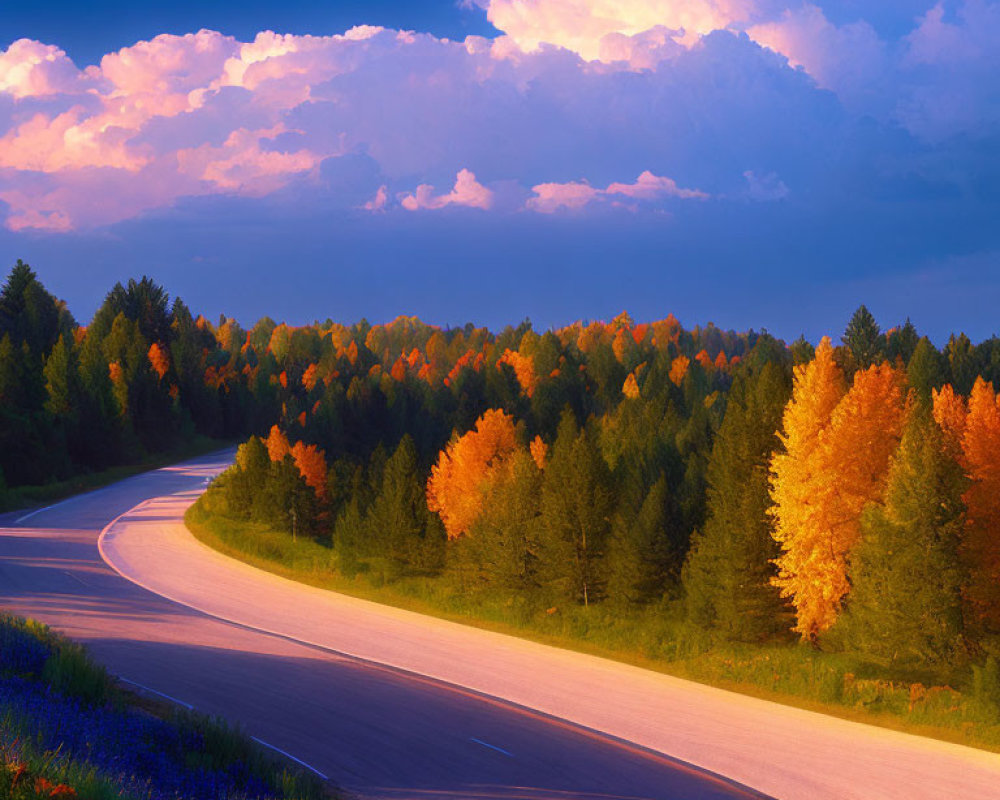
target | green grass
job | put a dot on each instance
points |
(655, 638)
(22, 497)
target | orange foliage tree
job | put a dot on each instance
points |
(311, 462)
(539, 452)
(847, 470)
(524, 369)
(159, 358)
(277, 444)
(678, 369)
(464, 469)
(980, 547)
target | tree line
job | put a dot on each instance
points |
(846, 494)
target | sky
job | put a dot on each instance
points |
(755, 163)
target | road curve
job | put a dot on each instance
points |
(378, 731)
(781, 751)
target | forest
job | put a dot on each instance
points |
(844, 494)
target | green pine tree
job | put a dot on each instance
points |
(576, 506)
(905, 605)
(926, 369)
(863, 340)
(642, 557)
(402, 528)
(62, 380)
(727, 574)
(502, 544)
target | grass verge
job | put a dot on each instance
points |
(26, 497)
(68, 730)
(838, 684)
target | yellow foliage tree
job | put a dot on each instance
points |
(678, 369)
(631, 387)
(539, 452)
(797, 472)
(464, 469)
(951, 414)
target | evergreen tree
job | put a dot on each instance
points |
(28, 313)
(503, 542)
(728, 575)
(863, 340)
(901, 343)
(905, 606)
(248, 479)
(576, 505)
(925, 370)
(405, 532)
(144, 302)
(961, 363)
(642, 558)
(62, 380)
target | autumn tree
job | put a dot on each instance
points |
(980, 547)
(277, 444)
(464, 468)
(905, 606)
(311, 463)
(851, 462)
(798, 473)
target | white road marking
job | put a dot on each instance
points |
(30, 514)
(188, 706)
(491, 746)
(289, 755)
(76, 578)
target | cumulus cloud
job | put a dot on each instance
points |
(719, 94)
(467, 192)
(849, 59)
(583, 25)
(551, 197)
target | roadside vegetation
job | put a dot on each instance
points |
(963, 709)
(68, 730)
(811, 522)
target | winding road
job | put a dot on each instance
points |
(391, 704)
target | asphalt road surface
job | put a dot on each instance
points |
(391, 704)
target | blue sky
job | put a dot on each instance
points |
(756, 163)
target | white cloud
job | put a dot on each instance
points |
(551, 197)
(467, 192)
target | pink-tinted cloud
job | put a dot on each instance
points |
(583, 25)
(551, 197)
(849, 59)
(379, 201)
(467, 192)
(206, 114)
(32, 69)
